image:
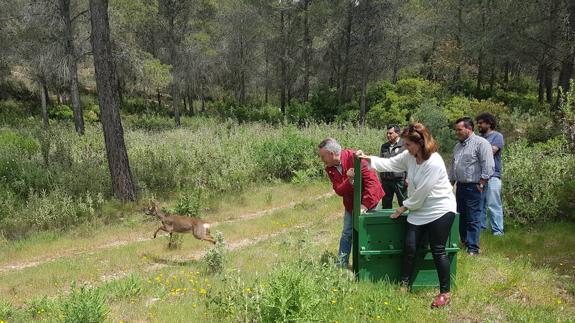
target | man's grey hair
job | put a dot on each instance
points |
(330, 144)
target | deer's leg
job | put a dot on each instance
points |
(160, 228)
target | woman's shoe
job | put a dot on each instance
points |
(440, 300)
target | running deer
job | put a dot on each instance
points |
(180, 224)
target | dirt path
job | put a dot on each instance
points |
(230, 246)
(17, 266)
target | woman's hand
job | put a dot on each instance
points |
(399, 211)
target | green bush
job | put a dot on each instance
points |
(190, 203)
(216, 256)
(12, 112)
(324, 104)
(91, 113)
(57, 210)
(417, 87)
(299, 113)
(297, 291)
(124, 289)
(16, 90)
(534, 177)
(60, 112)
(381, 115)
(281, 156)
(141, 106)
(435, 119)
(150, 122)
(377, 92)
(86, 305)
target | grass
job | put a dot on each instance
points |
(277, 274)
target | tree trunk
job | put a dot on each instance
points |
(566, 73)
(397, 51)
(307, 53)
(191, 104)
(203, 101)
(159, 100)
(493, 76)
(174, 61)
(428, 60)
(549, 83)
(541, 79)
(458, 40)
(43, 96)
(283, 93)
(506, 75)
(567, 63)
(362, 103)
(120, 89)
(186, 106)
(108, 98)
(480, 68)
(267, 81)
(242, 89)
(64, 6)
(347, 60)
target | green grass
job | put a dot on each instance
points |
(277, 274)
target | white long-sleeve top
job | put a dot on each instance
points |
(429, 193)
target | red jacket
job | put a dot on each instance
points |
(372, 191)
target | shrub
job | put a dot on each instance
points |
(435, 119)
(60, 112)
(297, 291)
(12, 112)
(382, 115)
(533, 176)
(86, 305)
(17, 90)
(349, 115)
(281, 156)
(215, 257)
(150, 122)
(568, 116)
(299, 113)
(57, 210)
(141, 106)
(324, 104)
(378, 92)
(127, 288)
(189, 203)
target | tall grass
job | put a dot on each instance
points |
(44, 171)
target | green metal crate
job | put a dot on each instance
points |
(377, 251)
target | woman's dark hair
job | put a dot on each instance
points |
(420, 135)
(487, 118)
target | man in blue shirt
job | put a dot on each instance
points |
(487, 124)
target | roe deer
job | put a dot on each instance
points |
(180, 224)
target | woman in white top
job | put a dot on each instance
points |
(430, 202)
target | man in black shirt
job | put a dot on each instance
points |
(392, 182)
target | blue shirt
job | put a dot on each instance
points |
(496, 139)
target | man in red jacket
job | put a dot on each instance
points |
(339, 167)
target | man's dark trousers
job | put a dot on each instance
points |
(391, 187)
(469, 205)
